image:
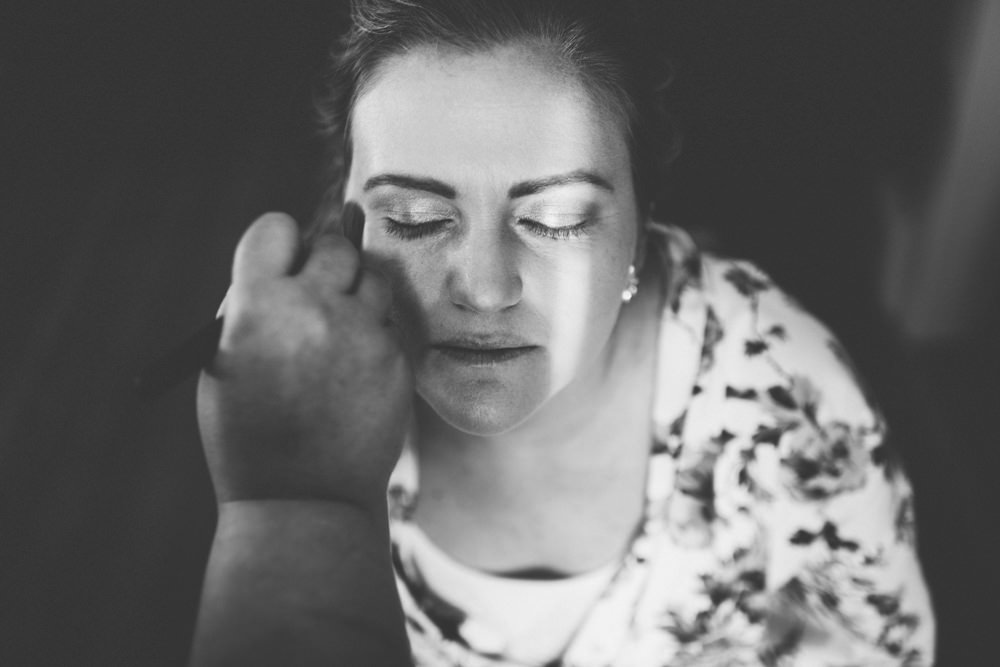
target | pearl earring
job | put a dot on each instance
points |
(633, 285)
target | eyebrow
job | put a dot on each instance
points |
(522, 189)
(431, 185)
(526, 188)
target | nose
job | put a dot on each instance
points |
(484, 276)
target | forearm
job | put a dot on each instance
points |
(303, 583)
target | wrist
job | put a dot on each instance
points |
(284, 515)
(300, 577)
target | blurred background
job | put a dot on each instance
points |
(851, 149)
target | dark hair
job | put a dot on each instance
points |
(603, 42)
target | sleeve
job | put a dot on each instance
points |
(810, 461)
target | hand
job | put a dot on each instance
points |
(309, 394)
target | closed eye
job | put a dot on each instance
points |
(413, 230)
(569, 231)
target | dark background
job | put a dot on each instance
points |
(137, 141)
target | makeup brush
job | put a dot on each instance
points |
(198, 351)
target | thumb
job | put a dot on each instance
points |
(267, 249)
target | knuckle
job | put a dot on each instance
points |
(240, 327)
(313, 326)
(338, 250)
(337, 263)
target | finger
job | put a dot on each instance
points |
(333, 264)
(267, 250)
(373, 291)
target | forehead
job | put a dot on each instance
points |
(511, 112)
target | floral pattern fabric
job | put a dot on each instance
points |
(778, 527)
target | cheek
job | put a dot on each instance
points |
(413, 284)
(583, 300)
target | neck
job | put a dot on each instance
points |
(512, 501)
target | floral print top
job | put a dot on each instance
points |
(778, 528)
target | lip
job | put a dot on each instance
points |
(485, 350)
(483, 341)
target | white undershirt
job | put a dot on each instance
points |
(529, 621)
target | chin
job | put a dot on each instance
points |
(478, 414)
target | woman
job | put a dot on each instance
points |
(619, 452)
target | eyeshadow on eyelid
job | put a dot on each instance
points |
(405, 198)
(414, 209)
(588, 210)
(417, 213)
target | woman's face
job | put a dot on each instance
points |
(499, 203)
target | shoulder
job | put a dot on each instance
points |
(772, 344)
(772, 380)
(754, 335)
(789, 386)
(781, 451)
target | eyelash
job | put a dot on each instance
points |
(411, 232)
(572, 231)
